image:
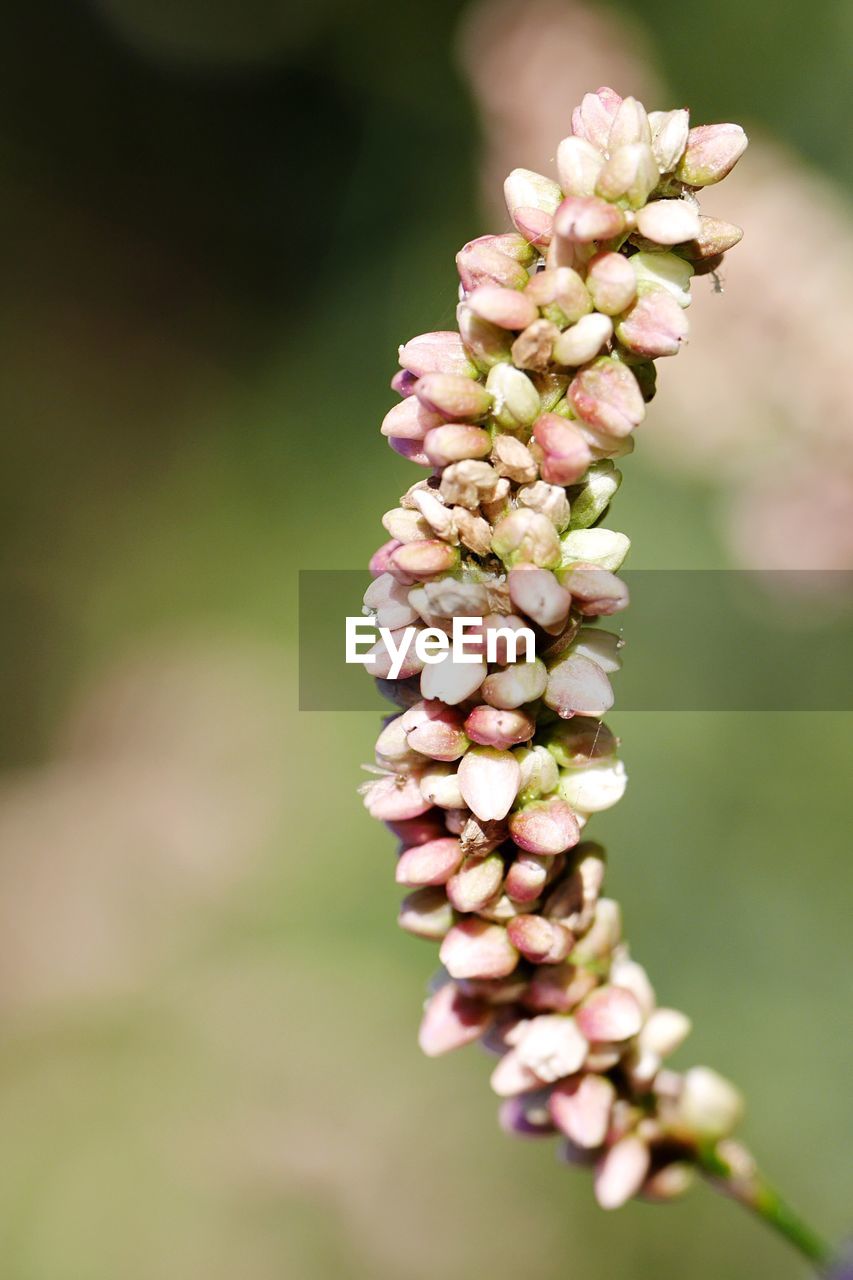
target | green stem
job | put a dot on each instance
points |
(756, 1194)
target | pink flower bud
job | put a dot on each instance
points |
(489, 780)
(390, 599)
(655, 326)
(630, 124)
(500, 728)
(668, 221)
(611, 282)
(431, 863)
(426, 913)
(625, 972)
(545, 827)
(664, 1031)
(540, 941)
(595, 592)
(583, 219)
(475, 949)
(454, 397)
(394, 798)
(412, 831)
(551, 1046)
(584, 340)
(527, 195)
(537, 593)
(507, 308)
(425, 560)
(593, 119)
(403, 383)
(560, 294)
(525, 1117)
(578, 165)
(381, 561)
(411, 450)
(574, 898)
(488, 345)
(451, 1020)
(452, 682)
(669, 137)
(630, 173)
(578, 686)
(383, 661)
(539, 773)
(610, 1014)
(620, 1174)
(515, 398)
(603, 934)
(565, 453)
(606, 396)
(440, 352)
(516, 685)
(536, 225)
(439, 784)
(499, 628)
(435, 730)
(495, 260)
(581, 1109)
(439, 740)
(712, 151)
(475, 882)
(511, 1076)
(527, 877)
(392, 747)
(713, 238)
(455, 820)
(410, 420)
(558, 989)
(709, 1106)
(456, 442)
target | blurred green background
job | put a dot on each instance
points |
(218, 223)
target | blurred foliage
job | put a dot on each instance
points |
(218, 222)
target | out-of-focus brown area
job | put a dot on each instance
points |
(218, 223)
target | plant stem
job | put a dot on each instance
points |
(753, 1191)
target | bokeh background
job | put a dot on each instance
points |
(219, 220)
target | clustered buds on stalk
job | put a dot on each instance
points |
(490, 772)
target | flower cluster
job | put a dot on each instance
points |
(491, 771)
(779, 448)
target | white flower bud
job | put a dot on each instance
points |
(578, 164)
(669, 137)
(709, 1106)
(516, 400)
(604, 547)
(595, 788)
(667, 270)
(601, 646)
